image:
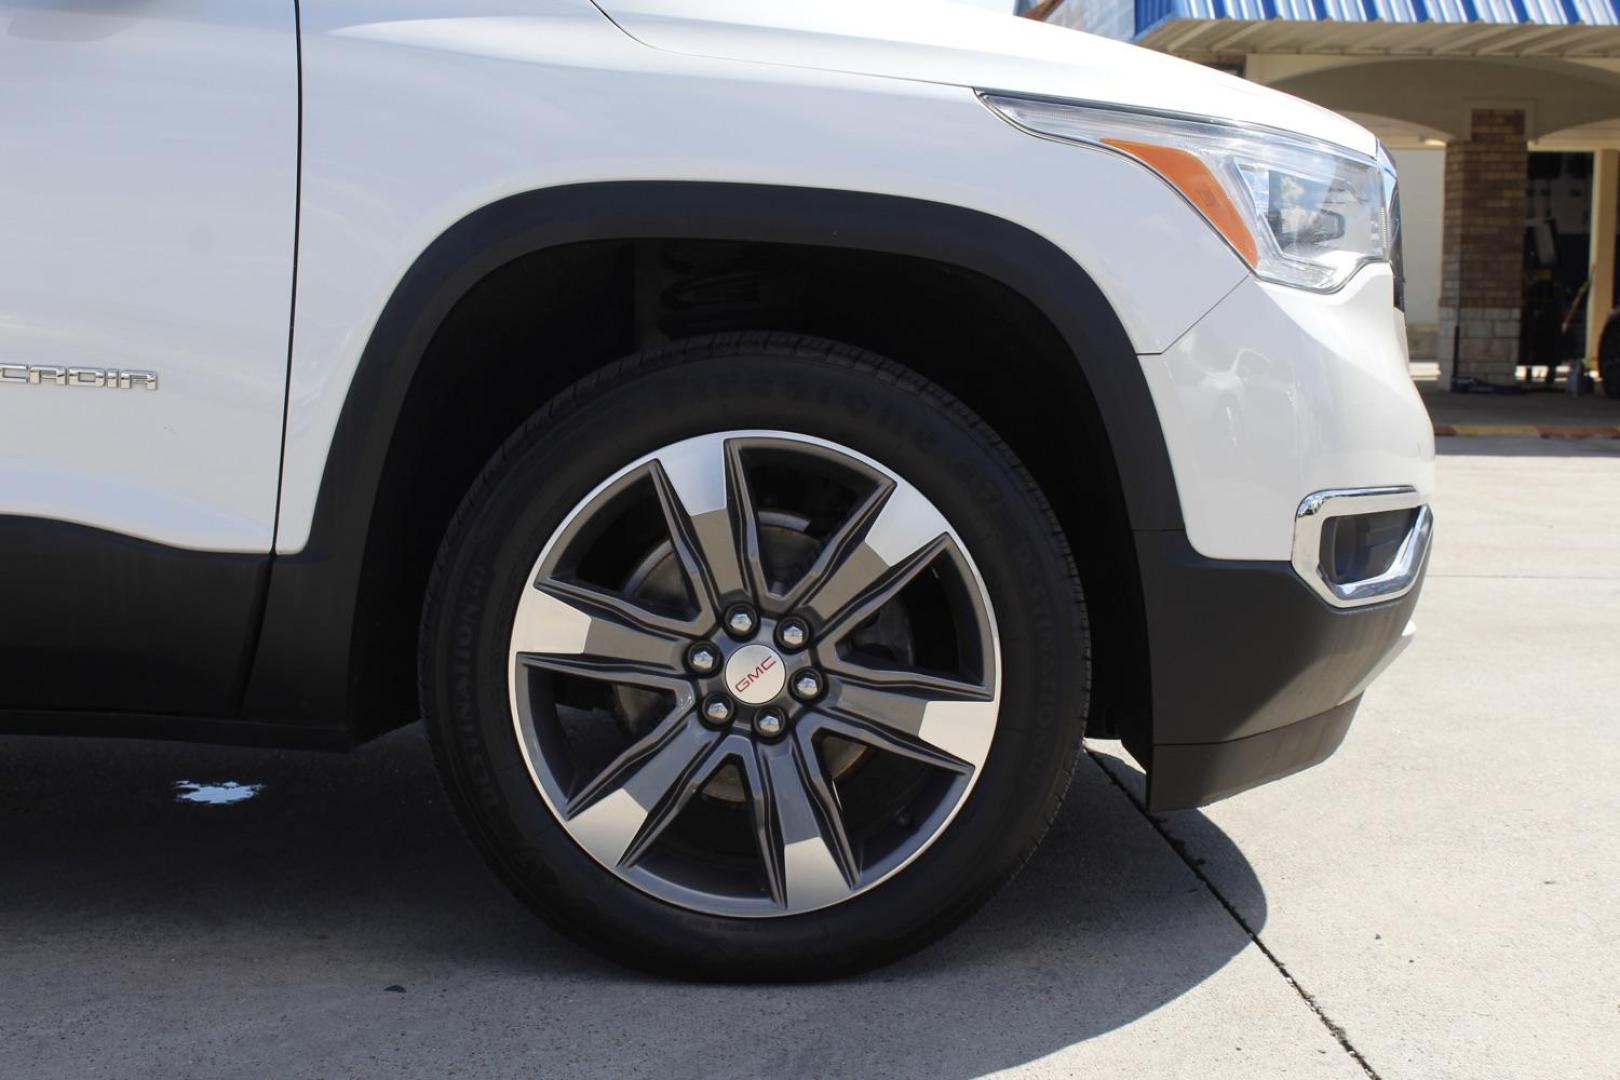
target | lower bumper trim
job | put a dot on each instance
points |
(1402, 643)
(1185, 775)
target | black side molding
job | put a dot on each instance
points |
(95, 620)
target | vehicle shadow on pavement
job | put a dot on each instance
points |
(336, 922)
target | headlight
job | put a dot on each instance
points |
(1299, 212)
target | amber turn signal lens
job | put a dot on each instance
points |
(1193, 179)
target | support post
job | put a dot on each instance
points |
(1605, 222)
(1482, 248)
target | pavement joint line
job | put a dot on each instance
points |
(1339, 1034)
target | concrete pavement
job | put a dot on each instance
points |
(1448, 885)
(1435, 901)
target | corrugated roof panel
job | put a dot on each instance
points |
(1547, 12)
(1150, 13)
(1503, 11)
(1398, 11)
(1344, 10)
(1596, 12)
(1393, 31)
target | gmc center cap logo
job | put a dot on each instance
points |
(755, 674)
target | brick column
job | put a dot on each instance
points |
(1482, 247)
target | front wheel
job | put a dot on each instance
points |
(755, 657)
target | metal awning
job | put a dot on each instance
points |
(1382, 27)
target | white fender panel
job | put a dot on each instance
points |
(415, 120)
(1279, 393)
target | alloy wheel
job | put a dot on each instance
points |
(754, 673)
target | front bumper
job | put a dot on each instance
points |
(1303, 461)
(1254, 675)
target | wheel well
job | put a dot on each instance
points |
(538, 323)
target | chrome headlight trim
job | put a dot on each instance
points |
(1278, 195)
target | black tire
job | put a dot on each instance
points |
(738, 382)
(1609, 355)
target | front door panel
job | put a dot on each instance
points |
(148, 188)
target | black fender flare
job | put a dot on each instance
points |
(305, 671)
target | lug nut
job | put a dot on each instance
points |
(717, 709)
(703, 658)
(740, 621)
(769, 723)
(793, 634)
(807, 685)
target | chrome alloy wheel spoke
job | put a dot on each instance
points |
(621, 813)
(943, 722)
(704, 495)
(799, 826)
(564, 630)
(842, 545)
(888, 541)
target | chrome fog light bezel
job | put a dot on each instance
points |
(1317, 509)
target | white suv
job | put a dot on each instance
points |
(760, 438)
